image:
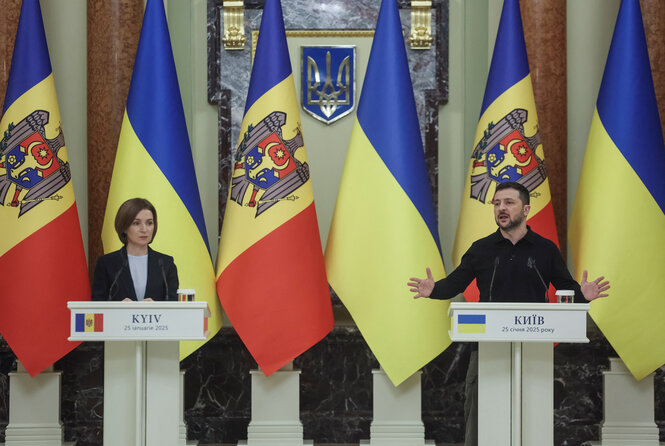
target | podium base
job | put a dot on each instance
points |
(275, 434)
(397, 414)
(34, 409)
(276, 410)
(397, 434)
(628, 407)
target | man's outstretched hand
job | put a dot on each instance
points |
(594, 289)
(422, 287)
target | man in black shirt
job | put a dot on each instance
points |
(514, 264)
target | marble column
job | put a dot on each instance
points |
(545, 35)
(653, 15)
(8, 23)
(113, 34)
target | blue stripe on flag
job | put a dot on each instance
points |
(470, 318)
(30, 63)
(388, 116)
(158, 119)
(80, 322)
(269, 70)
(627, 102)
(509, 61)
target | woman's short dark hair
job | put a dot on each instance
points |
(523, 191)
(128, 211)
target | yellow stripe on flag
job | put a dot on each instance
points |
(471, 328)
(242, 220)
(43, 94)
(89, 322)
(376, 242)
(614, 228)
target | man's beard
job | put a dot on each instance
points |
(512, 224)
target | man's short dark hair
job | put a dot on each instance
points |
(128, 211)
(524, 192)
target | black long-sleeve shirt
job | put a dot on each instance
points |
(514, 280)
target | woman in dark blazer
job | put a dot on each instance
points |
(135, 272)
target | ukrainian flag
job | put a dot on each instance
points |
(471, 323)
(270, 273)
(618, 223)
(154, 161)
(42, 260)
(507, 145)
(384, 228)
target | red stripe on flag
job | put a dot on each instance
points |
(99, 322)
(276, 293)
(46, 270)
(472, 294)
(542, 223)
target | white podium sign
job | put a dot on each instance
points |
(515, 365)
(138, 321)
(508, 322)
(141, 364)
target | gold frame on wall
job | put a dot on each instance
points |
(317, 33)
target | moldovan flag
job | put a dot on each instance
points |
(271, 277)
(617, 227)
(507, 144)
(154, 161)
(42, 260)
(384, 228)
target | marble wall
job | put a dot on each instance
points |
(228, 79)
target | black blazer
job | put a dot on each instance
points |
(113, 280)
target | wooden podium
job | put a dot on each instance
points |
(141, 364)
(515, 365)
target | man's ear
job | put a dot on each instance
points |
(527, 208)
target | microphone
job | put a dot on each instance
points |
(531, 263)
(116, 277)
(496, 264)
(166, 283)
